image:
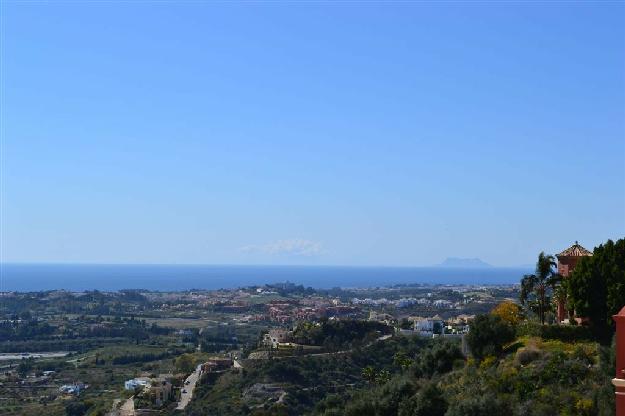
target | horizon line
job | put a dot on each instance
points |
(191, 264)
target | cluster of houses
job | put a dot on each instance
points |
(285, 312)
(215, 365)
(157, 390)
(437, 326)
(421, 326)
(407, 302)
(278, 337)
(279, 311)
(427, 326)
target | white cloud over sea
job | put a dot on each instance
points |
(295, 247)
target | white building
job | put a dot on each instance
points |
(442, 303)
(136, 382)
(72, 388)
(427, 327)
(405, 302)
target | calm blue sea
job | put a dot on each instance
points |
(78, 277)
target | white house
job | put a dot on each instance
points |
(427, 327)
(136, 382)
(75, 388)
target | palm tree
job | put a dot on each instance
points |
(545, 278)
(383, 377)
(402, 361)
(368, 373)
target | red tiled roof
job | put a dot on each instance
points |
(575, 251)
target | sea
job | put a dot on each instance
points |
(112, 277)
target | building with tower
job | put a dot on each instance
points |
(567, 260)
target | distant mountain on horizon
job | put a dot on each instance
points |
(460, 262)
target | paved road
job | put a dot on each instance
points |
(185, 398)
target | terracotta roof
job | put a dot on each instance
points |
(575, 251)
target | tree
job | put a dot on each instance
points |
(596, 288)
(429, 401)
(77, 408)
(368, 373)
(438, 359)
(405, 324)
(539, 284)
(509, 312)
(487, 336)
(24, 367)
(185, 363)
(382, 377)
(402, 361)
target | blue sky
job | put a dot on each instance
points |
(310, 133)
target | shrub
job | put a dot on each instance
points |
(487, 336)
(488, 361)
(438, 359)
(77, 408)
(565, 333)
(526, 355)
(509, 312)
(478, 405)
(429, 401)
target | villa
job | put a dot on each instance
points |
(275, 337)
(567, 260)
(136, 382)
(428, 326)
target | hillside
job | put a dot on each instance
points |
(412, 376)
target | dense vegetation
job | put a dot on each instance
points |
(414, 376)
(307, 380)
(532, 377)
(536, 288)
(85, 327)
(596, 288)
(517, 365)
(336, 335)
(513, 361)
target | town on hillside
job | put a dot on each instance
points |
(286, 349)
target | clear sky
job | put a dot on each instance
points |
(310, 133)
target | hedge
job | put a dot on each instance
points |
(565, 333)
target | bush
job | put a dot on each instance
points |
(478, 405)
(509, 311)
(439, 359)
(564, 333)
(77, 408)
(429, 401)
(526, 355)
(487, 336)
